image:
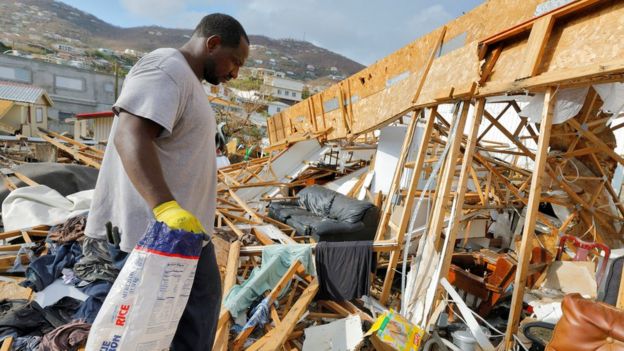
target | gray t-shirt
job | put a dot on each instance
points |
(160, 87)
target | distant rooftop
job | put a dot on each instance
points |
(22, 92)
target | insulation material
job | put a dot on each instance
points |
(612, 95)
(285, 167)
(567, 105)
(341, 335)
(346, 183)
(388, 152)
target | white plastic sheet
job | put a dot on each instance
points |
(568, 103)
(612, 95)
(40, 205)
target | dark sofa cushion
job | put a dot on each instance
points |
(282, 212)
(317, 199)
(347, 209)
(304, 223)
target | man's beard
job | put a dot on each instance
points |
(209, 73)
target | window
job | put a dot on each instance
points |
(39, 115)
(109, 87)
(294, 94)
(279, 91)
(15, 74)
(69, 83)
(279, 109)
(64, 115)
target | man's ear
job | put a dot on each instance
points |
(212, 42)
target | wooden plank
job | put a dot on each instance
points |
(396, 180)
(520, 28)
(7, 344)
(409, 202)
(425, 70)
(535, 48)
(223, 326)
(240, 340)
(274, 339)
(73, 152)
(596, 140)
(531, 217)
(458, 202)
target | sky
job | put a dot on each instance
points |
(364, 31)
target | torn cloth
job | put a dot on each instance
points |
(68, 337)
(276, 259)
(343, 269)
(44, 270)
(260, 315)
(71, 230)
(23, 318)
(26, 343)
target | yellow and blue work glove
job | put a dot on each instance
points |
(175, 217)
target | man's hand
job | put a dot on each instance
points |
(176, 217)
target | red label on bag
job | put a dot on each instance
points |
(121, 315)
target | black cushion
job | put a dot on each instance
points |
(282, 212)
(346, 209)
(317, 199)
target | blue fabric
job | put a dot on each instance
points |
(160, 237)
(26, 343)
(276, 259)
(97, 292)
(44, 270)
(259, 315)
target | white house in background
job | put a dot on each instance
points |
(68, 48)
(101, 125)
(274, 107)
(23, 108)
(283, 89)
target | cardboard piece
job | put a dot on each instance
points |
(341, 335)
(572, 277)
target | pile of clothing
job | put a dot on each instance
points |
(89, 265)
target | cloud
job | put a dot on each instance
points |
(166, 13)
(363, 31)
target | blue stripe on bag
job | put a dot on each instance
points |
(161, 239)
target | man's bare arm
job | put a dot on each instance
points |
(134, 140)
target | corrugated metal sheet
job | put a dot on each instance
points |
(101, 130)
(20, 92)
(5, 106)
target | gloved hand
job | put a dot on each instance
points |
(176, 217)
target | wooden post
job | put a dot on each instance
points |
(531, 217)
(396, 180)
(409, 203)
(458, 203)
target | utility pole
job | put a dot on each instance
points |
(116, 68)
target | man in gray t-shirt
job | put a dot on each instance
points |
(160, 160)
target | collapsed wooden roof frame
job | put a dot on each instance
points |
(550, 46)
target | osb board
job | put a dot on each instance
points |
(582, 41)
(300, 118)
(457, 69)
(590, 37)
(410, 58)
(385, 106)
(487, 19)
(510, 61)
(221, 242)
(13, 291)
(334, 119)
